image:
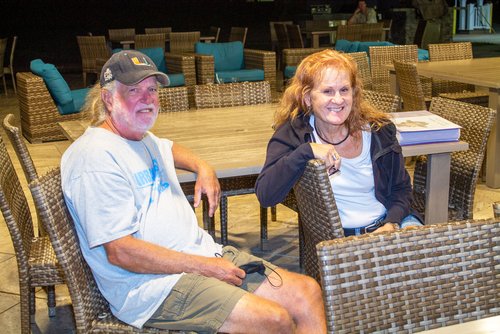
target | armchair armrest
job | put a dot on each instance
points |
(262, 59)
(205, 68)
(182, 63)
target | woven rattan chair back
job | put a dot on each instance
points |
(92, 48)
(20, 147)
(381, 56)
(411, 280)
(351, 32)
(361, 59)
(238, 34)
(273, 34)
(3, 48)
(476, 122)
(232, 94)
(159, 30)
(118, 35)
(294, 36)
(143, 41)
(410, 87)
(36, 261)
(173, 99)
(382, 101)
(450, 51)
(183, 41)
(319, 218)
(9, 68)
(372, 31)
(214, 31)
(90, 309)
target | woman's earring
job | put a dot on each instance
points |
(309, 109)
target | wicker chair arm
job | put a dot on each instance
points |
(262, 59)
(182, 63)
(205, 68)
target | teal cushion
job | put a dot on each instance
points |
(241, 75)
(116, 50)
(289, 71)
(227, 56)
(157, 56)
(423, 54)
(57, 86)
(365, 46)
(76, 104)
(176, 79)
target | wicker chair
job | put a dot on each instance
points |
(282, 42)
(361, 59)
(214, 31)
(372, 32)
(159, 30)
(476, 122)
(381, 56)
(118, 35)
(39, 114)
(351, 32)
(20, 148)
(3, 48)
(92, 48)
(36, 262)
(275, 44)
(183, 41)
(452, 89)
(90, 309)
(294, 36)
(157, 40)
(410, 87)
(293, 57)
(411, 280)
(229, 95)
(259, 59)
(9, 67)
(318, 216)
(238, 34)
(173, 99)
(384, 102)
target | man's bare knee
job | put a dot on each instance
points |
(279, 321)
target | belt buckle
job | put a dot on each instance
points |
(372, 227)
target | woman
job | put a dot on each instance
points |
(322, 115)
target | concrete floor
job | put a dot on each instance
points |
(281, 248)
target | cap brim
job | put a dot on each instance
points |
(161, 77)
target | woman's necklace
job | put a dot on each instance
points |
(329, 142)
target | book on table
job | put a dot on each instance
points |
(421, 127)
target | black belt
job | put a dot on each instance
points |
(362, 230)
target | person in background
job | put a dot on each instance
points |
(322, 115)
(363, 14)
(152, 262)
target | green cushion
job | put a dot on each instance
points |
(176, 79)
(76, 104)
(57, 86)
(157, 56)
(227, 56)
(241, 75)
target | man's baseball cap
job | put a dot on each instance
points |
(130, 67)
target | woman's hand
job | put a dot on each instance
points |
(328, 154)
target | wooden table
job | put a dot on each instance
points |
(483, 326)
(483, 72)
(234, 140)
(315, 35)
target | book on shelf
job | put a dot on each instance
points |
(421, 127)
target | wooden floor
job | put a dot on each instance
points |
(282, 247)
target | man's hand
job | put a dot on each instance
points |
(223, 270)
(207, 183)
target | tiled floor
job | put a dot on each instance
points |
(281, 248)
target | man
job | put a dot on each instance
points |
(363, 14)
(138, 233)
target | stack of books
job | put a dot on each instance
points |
(422, 127)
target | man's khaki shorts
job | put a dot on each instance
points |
(202, 304)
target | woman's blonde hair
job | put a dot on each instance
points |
(309, 73)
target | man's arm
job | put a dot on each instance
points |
(140, 256)
(206, 180)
